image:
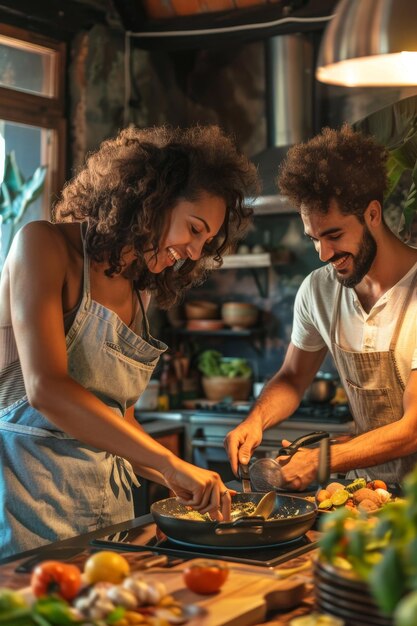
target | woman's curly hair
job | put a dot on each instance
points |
(132, 182)
(340, 165)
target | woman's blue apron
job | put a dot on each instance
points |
(53, 486)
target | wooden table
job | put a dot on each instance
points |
(241, 602)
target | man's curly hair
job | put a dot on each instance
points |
(340, 165)
(132, 182)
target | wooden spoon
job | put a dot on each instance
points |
(265, 505)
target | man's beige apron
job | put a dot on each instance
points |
(375, 389)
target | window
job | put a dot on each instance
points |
(32, 120)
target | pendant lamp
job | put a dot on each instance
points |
(370, 43)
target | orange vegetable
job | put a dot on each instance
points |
(377, 484)
(54, 577)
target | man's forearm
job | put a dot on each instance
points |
(377, 446)
(278, 400)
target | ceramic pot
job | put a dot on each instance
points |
(219, 387)
(239, 315)
(201, 310)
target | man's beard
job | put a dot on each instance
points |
(362, 261)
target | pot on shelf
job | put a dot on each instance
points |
(219, 387)
(239, 315)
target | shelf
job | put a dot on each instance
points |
(255, 336)
(242, 261)
(221, 332)
(272, 205)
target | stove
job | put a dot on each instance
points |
(142, 537)
(306, 412)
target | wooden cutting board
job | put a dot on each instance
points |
(243, 600)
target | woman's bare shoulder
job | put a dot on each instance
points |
(58, 238)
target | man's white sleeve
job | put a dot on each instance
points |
(305, 334)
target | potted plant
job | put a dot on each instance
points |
(224, 377)
(16, 195)
(395, 126)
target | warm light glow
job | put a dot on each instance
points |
(373, 71)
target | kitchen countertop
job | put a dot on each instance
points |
(77, 549)
(185, 415)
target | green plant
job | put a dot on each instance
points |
(395, 126)
(17, 194)
(213, 363)
(382, 551)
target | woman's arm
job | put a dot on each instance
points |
(142, 470)
(38, 269)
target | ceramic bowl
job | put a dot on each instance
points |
(219, 387)
(239, 315)
(201, 310)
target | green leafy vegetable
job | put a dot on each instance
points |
(213, 363)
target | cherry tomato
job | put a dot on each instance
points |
(54, 577)
(106, 566)
(205, 576)
(377, 484)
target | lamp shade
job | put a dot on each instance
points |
(370, 43)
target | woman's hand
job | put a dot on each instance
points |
(200, 489)
(241, 441)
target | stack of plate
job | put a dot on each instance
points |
(340, 594)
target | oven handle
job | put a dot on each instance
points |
(204, 443)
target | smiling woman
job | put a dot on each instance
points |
(76, 351)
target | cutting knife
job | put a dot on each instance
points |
(245, 477)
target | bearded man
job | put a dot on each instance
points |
(361, 307)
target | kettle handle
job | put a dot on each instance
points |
(304, 440)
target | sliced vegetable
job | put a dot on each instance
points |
(358, 483)
(54, 577)
(339, 498)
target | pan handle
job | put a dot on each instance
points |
(249, 524)
(304, 440)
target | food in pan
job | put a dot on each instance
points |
(239, 509)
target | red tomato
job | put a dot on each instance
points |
(205, 576)
(55, 577)
(377, 484)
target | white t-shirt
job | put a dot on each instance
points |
(356, 330)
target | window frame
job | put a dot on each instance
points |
(41, 111)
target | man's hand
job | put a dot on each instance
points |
(241, 441)
(300, 469)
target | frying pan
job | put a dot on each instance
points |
(290, 519)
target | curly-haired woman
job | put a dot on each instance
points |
(149, 214)
(361, 307)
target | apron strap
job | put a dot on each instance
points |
(145, 321)
(335, 314)
(403, 311)
(86, 282)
